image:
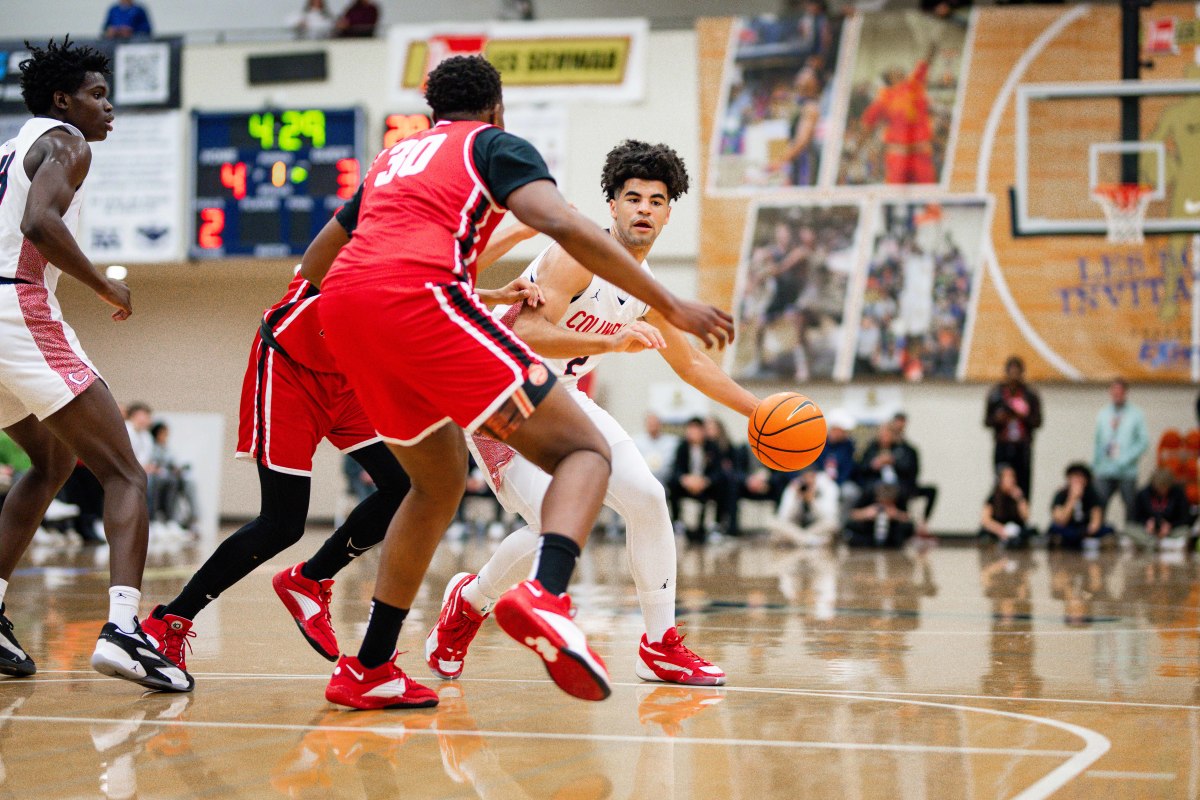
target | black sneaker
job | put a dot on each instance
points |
(132, 656)
(13, 658)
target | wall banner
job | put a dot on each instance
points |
(589, 60)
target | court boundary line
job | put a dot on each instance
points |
(631, 684)
(599, 737)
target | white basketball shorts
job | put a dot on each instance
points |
(42, 366)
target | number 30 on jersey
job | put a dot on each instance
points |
(410, 157)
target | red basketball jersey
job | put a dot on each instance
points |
(426, 213)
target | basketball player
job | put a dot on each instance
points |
(293, 396)
(902, 108)
(427, 362)
(52, 401)
(585, 317)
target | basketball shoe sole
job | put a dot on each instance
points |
(538, 620)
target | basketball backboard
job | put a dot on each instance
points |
(1069, 146)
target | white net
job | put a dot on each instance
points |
(1124, 206)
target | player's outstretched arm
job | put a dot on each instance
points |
(699, 370)
(539, 205)
(322, 250)
(501, 242)
(560, 278)
(57, 164)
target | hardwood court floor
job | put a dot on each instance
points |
(948, 674)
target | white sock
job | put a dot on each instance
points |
(658, 612)
(3, 590)
(123, 603)
(509, 565)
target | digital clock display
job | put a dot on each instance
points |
(266, 182)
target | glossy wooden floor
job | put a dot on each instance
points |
(946, 674)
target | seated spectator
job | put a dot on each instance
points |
(13, 464)
(172, 496)
(657, 447)
(695, 473)
(837, 459)
(83, 490)
(1161, 515)
(733, 463)
(358, 482)
(888, 460)
(358, 20)
(878, 520)
(125, 20)
(137, 422)
(313, 21)
(1005, 516)
(808, 512)
(928, 492)
(1077, 515)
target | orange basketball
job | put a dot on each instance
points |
(787, 431)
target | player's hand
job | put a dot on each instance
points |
(638, 336)
(710, 324)
(116, 293)
(521, 290)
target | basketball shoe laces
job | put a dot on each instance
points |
(459, 632)
(673, 640)
(326, 594)
(175, 641)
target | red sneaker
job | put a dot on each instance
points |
(670, 662)
(542, 622)
(308, 603)
(385, 686)
(170, 636)
(446, 645)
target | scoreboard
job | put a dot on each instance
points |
(266, 182)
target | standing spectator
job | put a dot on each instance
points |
(879, 520)
(358, 20)
(808, 512)
(1160, 513)
(125, 20)
(1014, 412)
(1121, 440)
(1005, 516)
(1077, 515)
(313, 21)
(695, 471)
(657, 447)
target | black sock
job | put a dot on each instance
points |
(556, 562)
(383, 629)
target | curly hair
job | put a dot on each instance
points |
(648, 162)
(57, 68)
(462, 85)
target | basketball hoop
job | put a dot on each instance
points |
(1124, 206)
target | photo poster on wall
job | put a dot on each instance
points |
(921, 281)
(795, 280)
(134, 194)
(903, 97)
(777, 100)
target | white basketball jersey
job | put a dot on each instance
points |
(19, 259)
(600, 308)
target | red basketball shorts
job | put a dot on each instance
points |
(288, 409)
(419, 357)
